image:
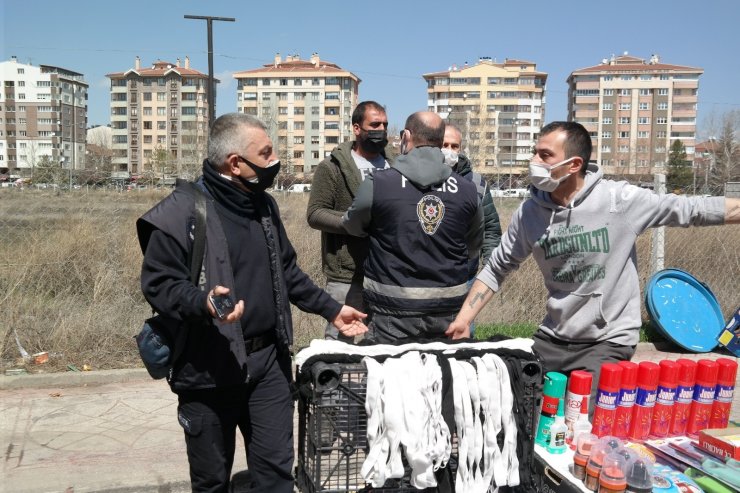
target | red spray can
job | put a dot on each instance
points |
(579, 389)
(607, 392)
(663, 410)
(626, 401)
(723, 394)
(684, 395)
(701, 404)
(647, 389)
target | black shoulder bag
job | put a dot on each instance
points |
(161, 340)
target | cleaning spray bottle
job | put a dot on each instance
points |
(552, 393)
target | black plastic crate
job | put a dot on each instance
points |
(332, 428)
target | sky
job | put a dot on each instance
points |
(387, 44)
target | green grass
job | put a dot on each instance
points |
(648, 333)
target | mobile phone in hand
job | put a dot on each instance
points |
(222, 305)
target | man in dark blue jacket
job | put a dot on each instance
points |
(425, 223)
(235, 371)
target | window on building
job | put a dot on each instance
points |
(624, 135)
(643, 120)
(298, 126)
(299, 96)
(147, 139)
(662, 106)
(332, 139)
(147, 125)
(282, 110)
(161, 96)
(315, 140)
(147, 111)
(297, 82)
(624, 120)
(606, 134)
(606, 120)
(315, 154)
(625, 106)
(298, 110)
(663, 92)
(606, 148)
(643, 134)
(625, 92)
(162, 125)
(606, 106)
(661, 120)
(624, 148)
(608, 92)
(661, 134)
(298, 154)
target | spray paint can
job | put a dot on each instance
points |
(579, 389)
(648, 374)
(607, 392)
(626, 401)
(701, 403)
(724, 392)
(684, 395)
(663, 410)
(552, 392)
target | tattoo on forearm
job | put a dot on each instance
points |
(478, 297)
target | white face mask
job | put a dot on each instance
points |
(450, 157)
(540, 175)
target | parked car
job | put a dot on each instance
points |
(299, 188)
(522, 193)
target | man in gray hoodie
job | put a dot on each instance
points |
(424, 222)
(581, 230)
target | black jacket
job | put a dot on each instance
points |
(424, 223)
(492, 224)
(214, 354)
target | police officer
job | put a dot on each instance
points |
(424, 222)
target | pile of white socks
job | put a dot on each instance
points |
(404, 409)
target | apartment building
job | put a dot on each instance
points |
(159, 116)
(499, 108)
(43, 117)
(306, 104)
(634, 109)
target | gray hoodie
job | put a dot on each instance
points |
(586, 253)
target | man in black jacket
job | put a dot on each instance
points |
(425, 223)
(235, 371)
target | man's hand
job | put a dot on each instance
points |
(349, 321)
(235, 314)
(458, 329)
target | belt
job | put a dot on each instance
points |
(260, 342)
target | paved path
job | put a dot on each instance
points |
(112, 431)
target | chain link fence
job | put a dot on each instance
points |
(69, 273)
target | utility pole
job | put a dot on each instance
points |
(211, 83)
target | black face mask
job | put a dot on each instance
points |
(265, 176)
(373, 141)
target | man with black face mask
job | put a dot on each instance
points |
(334, 186)
(234, 370)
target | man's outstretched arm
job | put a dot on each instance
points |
(478, 296)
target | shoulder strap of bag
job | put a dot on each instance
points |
(199, 243)
(196, 258)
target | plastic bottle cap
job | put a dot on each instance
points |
(610, 377)
(554, 384)
(668, 373)
(686, 371)
(727, 371)
(639, 473)
(629, 374)
(580, 382)
(706, 372)
(648, 374)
